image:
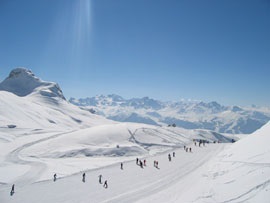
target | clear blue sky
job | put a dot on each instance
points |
(166, 49)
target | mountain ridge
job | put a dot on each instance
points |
(23, 82)
(186, 114)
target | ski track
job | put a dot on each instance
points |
(37, 167)
(155, 132)
(249, 194)
(128, 185)
(147, 145)
(169, 179)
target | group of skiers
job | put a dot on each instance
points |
(138, 162)
(169, 156)
(105, 184)
(187, 149)
(201, 142)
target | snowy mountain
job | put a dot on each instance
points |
(23, 82)
(186, 114)
(41, 134)
(28, 102)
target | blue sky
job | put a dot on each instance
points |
(165, 49)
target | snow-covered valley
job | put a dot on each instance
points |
(41, 134)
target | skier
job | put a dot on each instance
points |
(99, 179)
(190, 149)
(105, 184)
(12, 190)
(83, 177)
(195, 143)
(54, 177)
(169, 157)
(144, 162)
(173, 154)
(141, 164)
(184, 147)
(121, 166)
(137, 161)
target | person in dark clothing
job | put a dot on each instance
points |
(121, 166)
(173, 154)
(105, 184)
(99, 179)
(141, 164)
(12, 190)
(54, 177)
(169, 157)
(83, 177)
(137, 161)
(190, 149)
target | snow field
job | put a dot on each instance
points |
(128, 185)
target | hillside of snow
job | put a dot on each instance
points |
(38, 130)
(240, 173)
(185, 114)
(41, 134)
(210, 173)
(28, 102)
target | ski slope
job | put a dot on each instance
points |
(128, 185)
(42, 134)
(236, 172)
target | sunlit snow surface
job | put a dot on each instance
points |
(238, 172)
(42, 134)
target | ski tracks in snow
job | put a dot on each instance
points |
(37, 167)
(168, 176)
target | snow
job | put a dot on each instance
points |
(23, 82)
(211, 173)
(52, 136)
(128, 185)
(185, 114)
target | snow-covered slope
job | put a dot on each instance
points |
(241, 173)
(208, 174)
(38, 126)
(28, 102)
(186, 114)
(42, 134)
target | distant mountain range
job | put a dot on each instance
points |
(185, 114)
(30, 101)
